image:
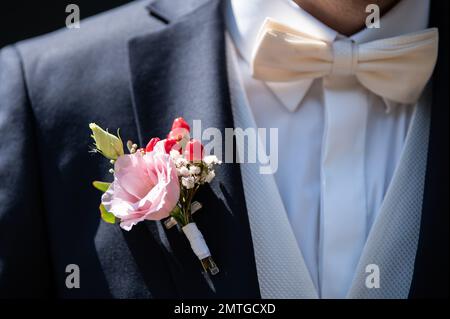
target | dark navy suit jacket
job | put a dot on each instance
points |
(136, 68)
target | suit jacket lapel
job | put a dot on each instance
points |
(276, 247)
(180, 70)
(429, 277)
(392, 241)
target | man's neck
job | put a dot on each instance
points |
(345, 16)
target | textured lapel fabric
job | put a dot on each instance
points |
(392, 241)
(282, 272)
(180, 71)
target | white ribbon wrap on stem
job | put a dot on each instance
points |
(196, 240)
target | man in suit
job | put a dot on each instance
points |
(311, 230)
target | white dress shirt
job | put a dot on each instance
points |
(339, 143)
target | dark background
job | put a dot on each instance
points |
(21, 19)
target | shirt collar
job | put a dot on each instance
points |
(245, 18)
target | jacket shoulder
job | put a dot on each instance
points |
(82, 61)
(102, 31)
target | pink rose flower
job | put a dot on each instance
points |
(145, 187)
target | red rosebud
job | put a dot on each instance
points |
(194, 150)
(178, 134)
(180, 123)
(171, 144)
(151, 145)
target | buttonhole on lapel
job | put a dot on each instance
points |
(157, 14)
(228, 202)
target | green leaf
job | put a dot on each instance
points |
(101, 186)
(177, 214)
(107, 216)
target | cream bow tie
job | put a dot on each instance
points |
(396, 68)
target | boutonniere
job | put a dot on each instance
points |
(156, 182)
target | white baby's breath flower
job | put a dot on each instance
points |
(194, 170)
(174, 154)
(210, 176)
(183, 171)
(211, 159)
(188, 182)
